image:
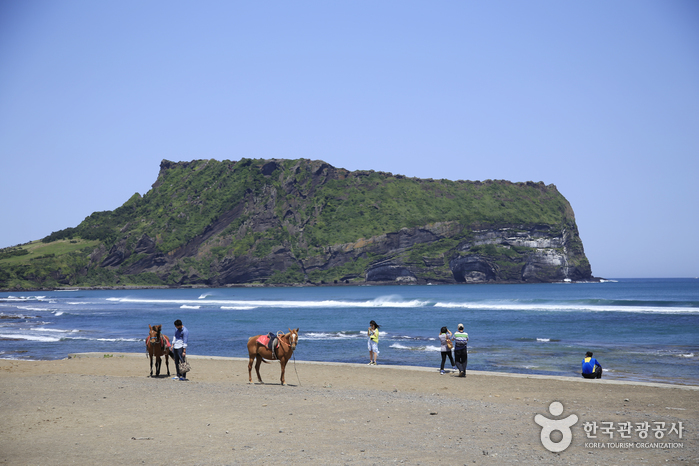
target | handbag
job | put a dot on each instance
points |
(450, 345)
(184, 367)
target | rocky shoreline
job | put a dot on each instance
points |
(268, 285)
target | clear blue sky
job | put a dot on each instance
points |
(599, 98)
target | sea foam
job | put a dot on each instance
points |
(382, 302)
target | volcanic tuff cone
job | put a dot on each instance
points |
(280, 221)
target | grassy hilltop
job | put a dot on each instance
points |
(215, 223)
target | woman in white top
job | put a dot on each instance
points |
(445, 336)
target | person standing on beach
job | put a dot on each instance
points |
(461, 350)
(373, 334)
(445, 337)
(591, 368)
(179, 347)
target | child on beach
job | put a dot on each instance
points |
(373, 334)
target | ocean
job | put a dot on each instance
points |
(639, 329)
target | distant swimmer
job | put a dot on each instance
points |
(591, 368)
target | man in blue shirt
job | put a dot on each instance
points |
(591, 368)
(179, 347)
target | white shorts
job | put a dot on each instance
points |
(373, 346)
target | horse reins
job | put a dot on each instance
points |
(280, 337)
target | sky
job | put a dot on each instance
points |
(598, 98)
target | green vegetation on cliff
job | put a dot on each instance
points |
(292, 221)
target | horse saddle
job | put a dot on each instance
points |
(269, 341)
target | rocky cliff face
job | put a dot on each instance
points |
(450, 251)
(299, 221)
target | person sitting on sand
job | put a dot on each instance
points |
(373, 334)
(445, 336)
(591, 368)
(461, 350)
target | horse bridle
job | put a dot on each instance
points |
(157, 338)
(281, 338)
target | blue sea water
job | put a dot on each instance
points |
(641, 329)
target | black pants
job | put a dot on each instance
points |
(444, 358)
(461, 356)
(594, 375)
(178, 357)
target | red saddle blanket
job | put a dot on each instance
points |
(263, 339)
(268, 340)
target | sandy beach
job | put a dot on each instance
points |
(92, 409)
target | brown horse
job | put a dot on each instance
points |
(158, 345)
(283, 352)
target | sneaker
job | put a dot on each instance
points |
(453, 368)
(182, 379)
(177, 377)
(441, 372)
(370, 363)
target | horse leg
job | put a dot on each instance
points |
(158, 363)
(283, 364)
(257, 368)
(167, 363)
(252, 358)
(151, 365)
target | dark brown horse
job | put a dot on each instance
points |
(158, 345)
(283, 352)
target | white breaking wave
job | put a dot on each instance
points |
(40, 329)
(103, 339)
(330, 336)
(184, 306)
(34, 309)
(562, 307)
(386, 302)
(342, 335)
(394, 301)
(23, 336)
(543, 339)
(417, 348)
(24, 298)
